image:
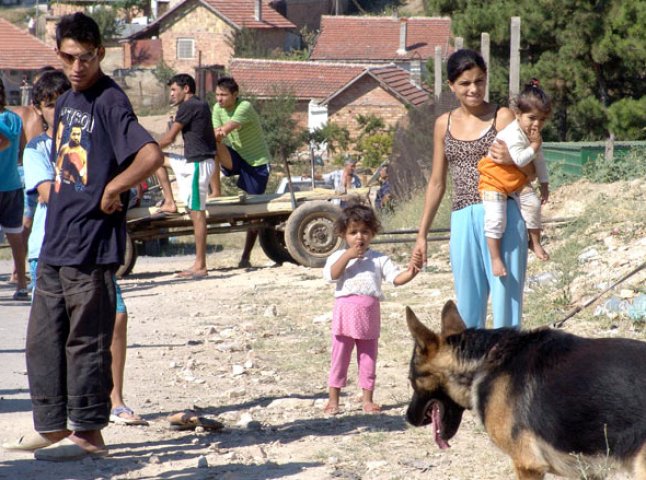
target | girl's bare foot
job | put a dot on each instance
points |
(331, 408)
(498, 267)
(370, 407)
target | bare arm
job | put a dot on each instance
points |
(148, 159)
(340, 265)
(224, 130)
(169, 137)
(435, 188)
(4, 142)
(43, 191)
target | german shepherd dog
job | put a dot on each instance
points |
(554, 402)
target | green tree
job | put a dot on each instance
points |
(336, 137)
(588, 55)
(108, 22)
(282, 132)
(375, 140)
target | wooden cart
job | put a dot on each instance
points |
(299, 229)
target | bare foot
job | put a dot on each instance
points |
(167, 207)
(498, 268)
(370, 407)
(331, 408)
(90, 441)
(56, 436)
(539, 251)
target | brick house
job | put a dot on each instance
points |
(198, 32)
(406, 42)
(332, 91)
(21, 56)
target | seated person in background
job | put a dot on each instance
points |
(384, 194)
(344, 179)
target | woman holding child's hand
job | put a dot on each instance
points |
(461, 138)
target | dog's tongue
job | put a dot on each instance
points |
(436, 425)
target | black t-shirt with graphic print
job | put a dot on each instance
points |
(199, 139)
(96, 137)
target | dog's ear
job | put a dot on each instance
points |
(452, 322)
(424, 338)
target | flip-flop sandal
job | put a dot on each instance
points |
(191, 275)
(189, 420)
(371, 408)
(116, 417)
(67, 451)
(28, 443)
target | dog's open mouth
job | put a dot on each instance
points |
(433, 415)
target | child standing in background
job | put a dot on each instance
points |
(358, 272)
(532, 107)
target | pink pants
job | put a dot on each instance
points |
(342, 347)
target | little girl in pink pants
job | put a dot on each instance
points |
(358, 272)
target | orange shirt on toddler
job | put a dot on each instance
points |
(505, 179)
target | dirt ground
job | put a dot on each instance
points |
(251, 348)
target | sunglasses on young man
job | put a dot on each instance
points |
(87, 57)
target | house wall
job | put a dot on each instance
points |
(365, 97)
(209, 33)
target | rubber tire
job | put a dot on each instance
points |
(273, 244)
(309, 233)
(129, 258)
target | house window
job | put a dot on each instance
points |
(185, 48)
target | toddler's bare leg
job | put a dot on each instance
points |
(535, 244)
(497, 264)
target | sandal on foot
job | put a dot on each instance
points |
(21, 295)
(330, 410)
(28, 443)
(191, 275)
(67, 451)
(189, 420)
(125, 416)
(371, 408)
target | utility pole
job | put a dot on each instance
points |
(514, 58)
(485, 51)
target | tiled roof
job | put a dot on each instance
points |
(242, 14)
(356, 38)
(22, 51)
(303, 80)
(319, 80)
(238, 13)
(398, 82)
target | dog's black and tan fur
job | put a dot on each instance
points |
(554, 402)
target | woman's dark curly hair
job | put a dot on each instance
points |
(357, 212)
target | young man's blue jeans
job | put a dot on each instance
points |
(68, 347)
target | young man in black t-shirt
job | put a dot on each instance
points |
(73, 312)
(193, 119)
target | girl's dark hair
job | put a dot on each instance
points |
(80, 28)
(463, 60)
(357, 212)
(532, 97)
(51, 85)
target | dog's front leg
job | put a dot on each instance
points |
(524, 473)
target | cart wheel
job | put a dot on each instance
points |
(309, 233)
(129, 258)
(272, 242)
